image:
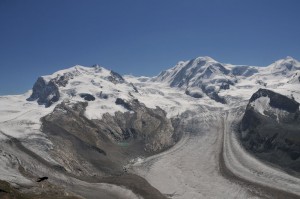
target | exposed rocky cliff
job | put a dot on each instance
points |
(148, 126)
(46, 93)
(116, 78)
(270, 128)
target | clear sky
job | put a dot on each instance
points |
(140, 37)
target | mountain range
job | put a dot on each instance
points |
(90, 132)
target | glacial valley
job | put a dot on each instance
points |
(201, 129)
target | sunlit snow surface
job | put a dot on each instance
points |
(191, 168)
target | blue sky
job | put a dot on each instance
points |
(140, 37)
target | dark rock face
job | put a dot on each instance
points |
(63, 80)
(193, 94)
(87, 97)
(213, 94)
(123, 103)
(148, 126)
(134, 87)
(42, 179)
(48, 93)
(102, 95)
(273, 136)
(225, 86)
(277, 100)
(245, 71)
(45, 93)
(116, 78)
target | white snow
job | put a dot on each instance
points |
(20, 118)
(261, 104)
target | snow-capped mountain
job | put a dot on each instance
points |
(283, 66)
(205, 76)
(199, 76)
(90, 124)
(95, 84)
(192, 72)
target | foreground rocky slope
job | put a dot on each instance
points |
(106, 145)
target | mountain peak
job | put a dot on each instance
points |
(205, 58)
(284, 65)
(288, 57)
(77, 79)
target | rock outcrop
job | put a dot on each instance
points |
(46, 93)
(270, 129)
(151, 127)
(87, 97)
(116, 78)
